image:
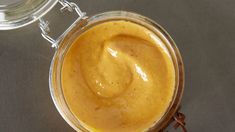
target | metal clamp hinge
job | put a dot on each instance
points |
(44, 25)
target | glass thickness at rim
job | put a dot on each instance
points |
(83, 25)
(16, 16)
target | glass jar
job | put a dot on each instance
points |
(83, 23)
(19, 13)
(87, 23)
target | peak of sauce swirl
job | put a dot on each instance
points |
(118, 76)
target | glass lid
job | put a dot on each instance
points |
(18, 13)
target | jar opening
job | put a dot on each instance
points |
(56, 66)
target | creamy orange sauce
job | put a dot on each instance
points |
(118, 77)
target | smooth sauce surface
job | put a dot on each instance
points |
(118, 77)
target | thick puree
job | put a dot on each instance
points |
(118, 77)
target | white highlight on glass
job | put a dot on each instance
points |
(2, 16)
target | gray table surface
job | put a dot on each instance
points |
(204, 31)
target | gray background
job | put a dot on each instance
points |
(204, 31)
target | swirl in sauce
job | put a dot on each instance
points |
(118, 77)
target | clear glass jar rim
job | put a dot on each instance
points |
(20, 16)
